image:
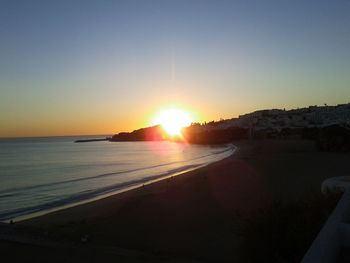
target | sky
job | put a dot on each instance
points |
(102, 67)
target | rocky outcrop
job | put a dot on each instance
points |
(154, 133)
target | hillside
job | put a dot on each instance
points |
(329, 126)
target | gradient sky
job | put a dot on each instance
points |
(101, 67)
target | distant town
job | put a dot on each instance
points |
(277, 119)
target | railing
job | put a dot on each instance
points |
(335, 234)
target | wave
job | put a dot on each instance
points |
(93, 194)
(11, 191)
(88, 195)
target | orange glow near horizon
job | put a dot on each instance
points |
(173, 120)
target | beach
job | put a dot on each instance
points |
(193, 217)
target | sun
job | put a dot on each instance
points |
(173, 120)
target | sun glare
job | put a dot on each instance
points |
(173, 120)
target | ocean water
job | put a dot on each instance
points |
(42, 174)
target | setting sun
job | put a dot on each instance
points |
(173, 120)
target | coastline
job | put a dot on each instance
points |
(194, 216)
(116, 191)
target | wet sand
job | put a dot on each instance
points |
(192, 216)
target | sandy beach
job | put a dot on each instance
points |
(193, 217)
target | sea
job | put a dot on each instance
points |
(40, 175)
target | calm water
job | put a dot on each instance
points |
(37, 174)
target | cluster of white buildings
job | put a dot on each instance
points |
(311, 117)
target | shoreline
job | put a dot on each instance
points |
(117, 191)
(198, 215)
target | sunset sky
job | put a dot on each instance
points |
(101, 67)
